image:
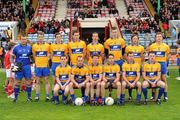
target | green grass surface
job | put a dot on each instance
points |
(42, 110)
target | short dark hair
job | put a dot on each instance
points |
(159, 33)
(134, 36)
(110, 55)
(151, 52)
(95, 55)
(57, 34)
(130, 52)
(75, 32)
(40, 33)
(79, 57)
(63, 56)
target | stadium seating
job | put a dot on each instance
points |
(146, 39)
(138, 8)
(46, 10)
(87, 5)
(49, 38)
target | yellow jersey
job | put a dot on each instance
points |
(80, 73)
(131, 70)
(110, 71)
(93, 49)
(151, 70)
(95, 71)
(63, 73)
(137, 50)
(114, 47)
(41, 54)
(162, 51)
(178, 53)
(76, 49)
(58, 50)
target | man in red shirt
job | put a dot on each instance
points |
(9, 74)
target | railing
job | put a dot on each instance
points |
(110, 27)
(119, 28)
(71, 25)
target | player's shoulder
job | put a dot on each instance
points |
(105, 65)
(52, 44)
(140, 46)
(100, 44)
(46, 44)
(121, 39)
(108, 40)
(16, 46)
(70, 42)
(116, 65)
(125, 63)
(158, 64)
(128, 46)
(164, 44)
(153, 44)
(64, 44)
(68, 66)
(34, 45)
(89, 45)
(145, 63)
(82, 42)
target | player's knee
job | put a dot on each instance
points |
(145, 84)
(70, 85)
(102, 84)
(161, 84)
(98, 84)
(123, 84)
(87, 85)
(138, 84)
(29, 82)
(118, 84)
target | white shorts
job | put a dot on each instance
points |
(9, 73)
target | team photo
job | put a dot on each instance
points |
(94, 59)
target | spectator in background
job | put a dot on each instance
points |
(165, 27)
(130, 8)
(2, 52)
(11, 10)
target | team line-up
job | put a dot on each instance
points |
(124, 67)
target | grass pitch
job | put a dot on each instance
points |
(42, 110)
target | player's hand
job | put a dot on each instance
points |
(153, 84)
(82, 84)
(63, 87)
(133, 84)
(77, 85)
(93, 82)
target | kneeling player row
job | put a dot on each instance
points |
(107, 76)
